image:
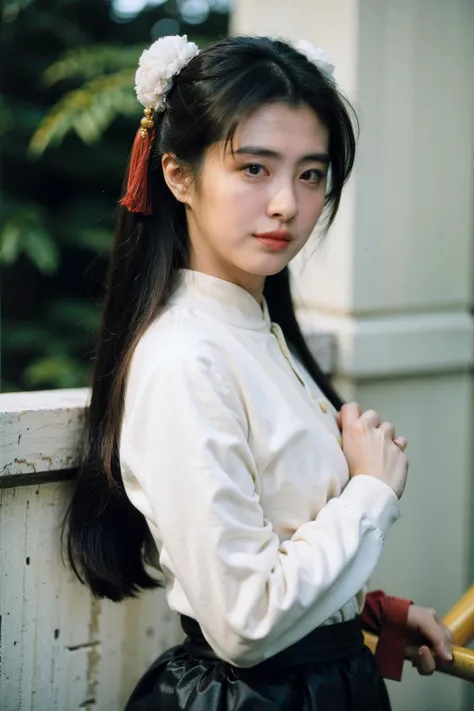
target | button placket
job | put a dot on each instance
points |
(323, 405)
(276, 330)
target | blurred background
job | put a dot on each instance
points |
(68, 115)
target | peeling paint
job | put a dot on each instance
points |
(86, 645)
(26, 463)
(45, 458)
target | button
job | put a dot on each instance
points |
(323, 405)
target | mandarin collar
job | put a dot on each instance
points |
(221, 299)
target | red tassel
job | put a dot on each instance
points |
(138, 197)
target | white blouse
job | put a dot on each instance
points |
(227, 451)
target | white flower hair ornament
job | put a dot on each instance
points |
(317, 56)
(157, 68)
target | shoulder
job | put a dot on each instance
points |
(179, 345)
(176, 363)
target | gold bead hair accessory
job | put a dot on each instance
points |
(157, 68)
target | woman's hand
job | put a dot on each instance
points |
(369, 447)
(400, 441)
(425, 627)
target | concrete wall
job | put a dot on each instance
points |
(60, 649)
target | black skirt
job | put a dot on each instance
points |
(328, 670)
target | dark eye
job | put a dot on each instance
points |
(253, 169)
(313, 176)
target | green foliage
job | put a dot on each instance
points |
(90, 62)
(65, 328)
(23, 229)
(58, 371)
(68, 114)
(88, 111)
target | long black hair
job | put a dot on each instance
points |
(106, 535)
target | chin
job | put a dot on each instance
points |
(269, 265)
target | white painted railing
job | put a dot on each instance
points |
(60, 649)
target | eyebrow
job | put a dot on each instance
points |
(267, 153)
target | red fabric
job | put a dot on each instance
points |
(386, 616)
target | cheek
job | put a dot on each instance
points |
(311, 207)
(234, 201)
(213, 202)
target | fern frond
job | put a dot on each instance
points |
(93, 61)
(88, 111)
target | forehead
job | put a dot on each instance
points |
(286, 129)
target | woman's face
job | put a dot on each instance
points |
(274, 180)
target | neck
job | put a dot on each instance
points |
(228, 272)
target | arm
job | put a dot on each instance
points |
(252, 595)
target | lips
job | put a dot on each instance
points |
(279, 235)
(278, 243)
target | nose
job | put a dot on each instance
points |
(283, 203)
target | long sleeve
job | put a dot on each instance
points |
(188, 466)
(387, 616)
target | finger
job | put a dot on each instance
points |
(447, 643)
(425, 662)
(371, 418)
(438, 635)
(350, 412)
(388, 429)
(443, 649)
(401, 443)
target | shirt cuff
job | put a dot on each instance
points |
(378, 501)
(390, 652)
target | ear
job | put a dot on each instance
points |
(177, 179)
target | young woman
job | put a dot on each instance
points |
(213, 438)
